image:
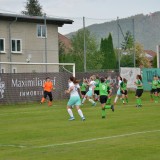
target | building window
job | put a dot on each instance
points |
(16, 46)
(41, 31)
(2, 70)
(2, 45)
(14, 70)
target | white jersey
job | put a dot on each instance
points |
(91, 85)
(74, 91)
(119, 83)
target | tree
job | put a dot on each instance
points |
(62, 48)
(127, 60)
(76, 55)
(33, 8)
(154, 63)
(128, 42)
(141, 59)
(107, 50)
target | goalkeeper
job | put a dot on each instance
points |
(48, 87)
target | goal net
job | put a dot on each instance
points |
(22, 82)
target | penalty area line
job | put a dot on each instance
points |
(82, 141)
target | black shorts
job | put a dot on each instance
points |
(96, 92)
(153, 91)
(49, 94)
(103, 99)
(139, 92)
(83, 93)
(158, 90)
(125, 92)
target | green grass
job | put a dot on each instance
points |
(39, 132)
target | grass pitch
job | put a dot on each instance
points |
(33, 131)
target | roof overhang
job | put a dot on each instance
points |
(34, 19)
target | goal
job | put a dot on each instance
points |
(18, 67)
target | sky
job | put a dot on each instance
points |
(94, 11)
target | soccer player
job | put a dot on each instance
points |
(75, 99)
(123, 89)
(96, 89)
(48, 87)
(109, 89)
(103, 97)
(118, 91)
(139, 90)
(158, 87)
(89, 95)
(83, 87)
(153, 92)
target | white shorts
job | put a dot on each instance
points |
(89, 93)
(75, 100)
(119, 92)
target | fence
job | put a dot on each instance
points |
(27, 87)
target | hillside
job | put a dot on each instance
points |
(147, 30)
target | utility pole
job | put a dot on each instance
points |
(45, 25)
(84, 35)
(119, 59)
(134, 49)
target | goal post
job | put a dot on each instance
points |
(21, 67)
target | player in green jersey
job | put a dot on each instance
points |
(123, 89)
(96, 89)
(139, 90)
(109, 89)
(83, 88)
(158, 87)
(103, 97)
(153, 92)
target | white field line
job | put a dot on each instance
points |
(83, 107)
(82, 141)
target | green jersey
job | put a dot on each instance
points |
(123, 86)
(158, 85)
(139, 82)
(103, 89)
(83, 86)
(108, 82)
(97, 84)
(154, 84)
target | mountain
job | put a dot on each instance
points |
(146, 29)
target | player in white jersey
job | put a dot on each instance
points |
(89, 95)
(75, 99)
(118, 91)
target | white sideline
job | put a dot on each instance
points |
(82, 141)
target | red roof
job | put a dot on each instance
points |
(66, 41)
(151, 53)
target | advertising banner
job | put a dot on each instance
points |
(27, 87)
(148, 74)
(130, 74)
